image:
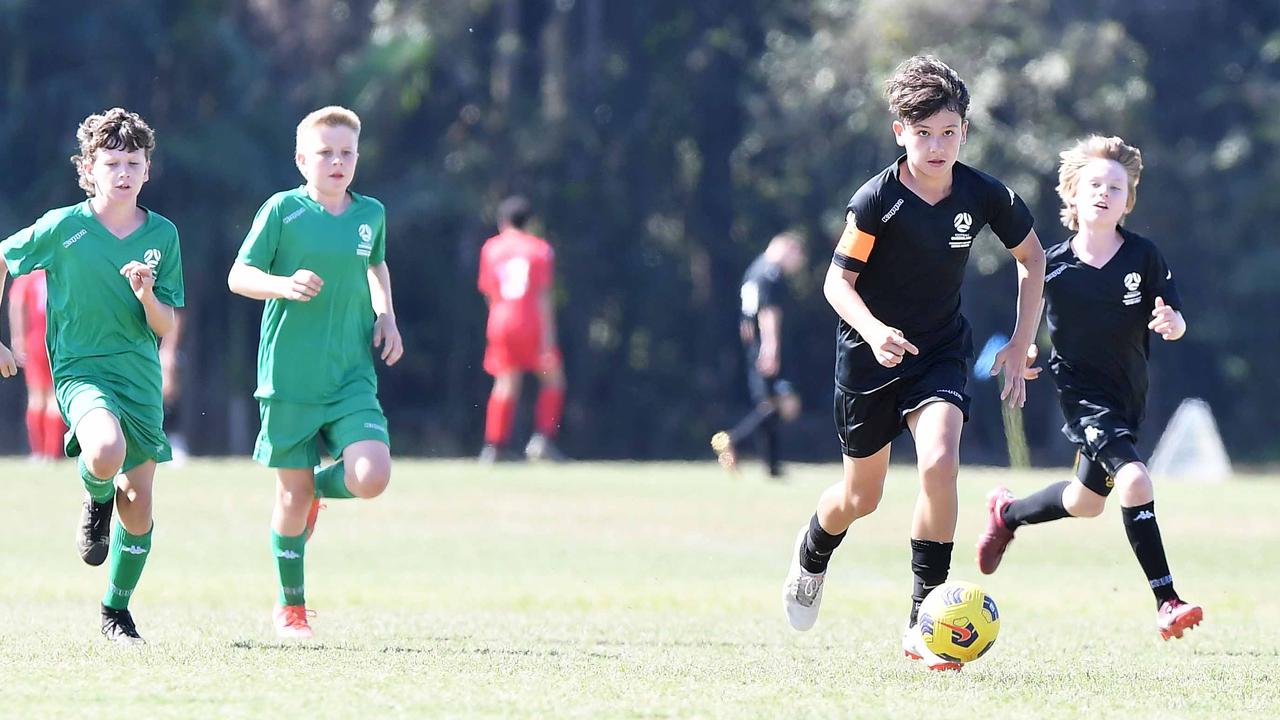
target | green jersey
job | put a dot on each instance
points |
(97, 329)
(318, 351)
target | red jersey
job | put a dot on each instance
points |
(515, 269)
(31, 291)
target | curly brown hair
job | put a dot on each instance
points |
(114, 129)
(923, 86)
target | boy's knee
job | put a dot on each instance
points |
(368, 478)
(939, 470)
(294, 500)
(104, 459)
(860, 504)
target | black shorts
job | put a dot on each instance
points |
(867, 421)
(1104, 436)
(1097, 470)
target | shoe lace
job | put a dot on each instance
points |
(807, 587)
(297, 615)
(121, 621)
(98, 519)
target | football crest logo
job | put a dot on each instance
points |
(962, 239)
(1132, 282)
(151, 258)
(365, 247)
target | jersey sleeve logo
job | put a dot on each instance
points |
(1132, 283)
(151, 258)
(365, 247)
(962, 239)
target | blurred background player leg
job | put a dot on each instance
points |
(27, 322)
(548, 411)
(500, 414)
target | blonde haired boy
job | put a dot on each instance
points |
(317, 255)
(1106, 290)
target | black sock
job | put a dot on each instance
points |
(769, 429)
(1144, 536)
(815, 551)
(930, 563)
(1042, 506)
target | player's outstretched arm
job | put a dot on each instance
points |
(1012, 358)
(386, 334)
(8, 365)
(888, 344)
(17, 321)
(251, 282)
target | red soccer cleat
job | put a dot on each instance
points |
(993, 542)
(290, 622)
(1176, 617)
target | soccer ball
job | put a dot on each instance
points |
(959, 621)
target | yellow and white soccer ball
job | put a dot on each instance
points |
(959, 621)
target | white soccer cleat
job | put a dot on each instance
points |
(913, 647)
(802, 592)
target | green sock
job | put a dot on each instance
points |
(100, 490)
(289, 552)
(331, 482)
(128, 556)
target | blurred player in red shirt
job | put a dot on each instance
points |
(27, 329)
(516, 271)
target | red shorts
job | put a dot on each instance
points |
(36, 370)
(501, 358)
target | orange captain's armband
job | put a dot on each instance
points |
(854, 243)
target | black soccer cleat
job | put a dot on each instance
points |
(118, 627)
(93, 536)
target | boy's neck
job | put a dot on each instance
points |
(1099, 237)
(335, 204)
(931, 190)
(113, 213)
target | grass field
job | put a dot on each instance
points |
(621, 590)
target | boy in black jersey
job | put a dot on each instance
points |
(763, 293)
(1106, 288)
(902, 346)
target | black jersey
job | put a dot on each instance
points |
(1098, 324)
(763, 286)
(910, 257)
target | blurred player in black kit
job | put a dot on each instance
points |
(763, 295)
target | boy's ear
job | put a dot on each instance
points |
(898, 130)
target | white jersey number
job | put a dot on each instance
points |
(513, 278)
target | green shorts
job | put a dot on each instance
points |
(292, 433)
(143, 426)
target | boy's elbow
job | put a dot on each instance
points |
(235, 279)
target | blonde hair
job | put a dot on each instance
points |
(114, 129)
(330, 116)
(1077, 156)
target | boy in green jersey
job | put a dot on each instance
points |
(114, 273)
(316, 254)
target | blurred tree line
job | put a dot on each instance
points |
(662, 143)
